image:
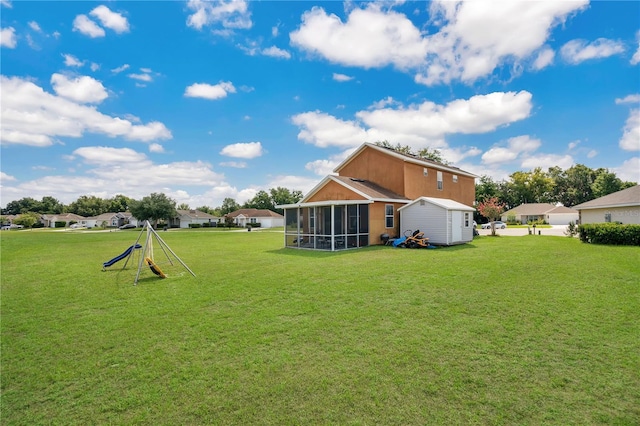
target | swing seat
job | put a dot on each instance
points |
(154, 268)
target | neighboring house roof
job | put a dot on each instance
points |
(62, 217)
(255, 213)
(531, 209)
(562, 210)
(194, 214)
(108, 216)
(445, 203)
(405, 157)
(625, 198)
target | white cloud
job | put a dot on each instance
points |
(35, 27)
(208, 91)
(636, 56)
(229, 14)
(629, 99)
(421, 125)
(341, 77)
(87, 27)
(573, 144)
(516, 147)
(32, 116)
(630, 140)
(72, 61)
(82, 89)
(105, 155)
(8, 37)
(276, 52)
(370, 38)
(6, 178)
(111, 171)
(119, 69)
(472, 43)
(577, 51)
(94, 67)
(234, 164)
(156, 147)
(592, 153)
(246, 150)
(141, 77)
(544, 59)
(6, 3)
(629, 171)
(545, 160)
(111, 20)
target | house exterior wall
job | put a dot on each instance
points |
(377, 222)
(418, 185)
(377, 167)
(562, 218)
(627, 215)
(408, 179)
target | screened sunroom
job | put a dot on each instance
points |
(327, 225)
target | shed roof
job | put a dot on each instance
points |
(445, 203)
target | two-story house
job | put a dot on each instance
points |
(360, 204)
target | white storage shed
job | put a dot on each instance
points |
(443, 221)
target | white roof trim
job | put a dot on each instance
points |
(324, 203)
(445, 203)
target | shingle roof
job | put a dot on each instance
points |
(195, 214)
(369, 189)
(531, 209)
(255, 213)
(626, 197)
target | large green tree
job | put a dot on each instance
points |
(262, 200)
(89, 206)
(119, 203)
(23, 205)
(154, 207)
(27, 219)
(228, 205)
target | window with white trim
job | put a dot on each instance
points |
(425, 171)
(388, 216)
(455, 178)
(466, 219)
(440, 185)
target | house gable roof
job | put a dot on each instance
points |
(194, 214)
(625, 198)
(530, 209)
(404, 157)
(366, 189)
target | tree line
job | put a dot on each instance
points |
(575, 185)
(156, 205)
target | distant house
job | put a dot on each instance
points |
(189, 217)
(549, 213)
(265, 218)
(361, 204)
(108, 220)
(49, 220)
(622, 206)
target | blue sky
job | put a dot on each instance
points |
(208, 100)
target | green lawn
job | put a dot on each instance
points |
(506, 330)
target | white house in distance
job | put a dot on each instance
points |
(265, 218)
(622, 206)
(553, 215)
(187, 217)
(443, 221)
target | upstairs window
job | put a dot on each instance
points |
(388, 216)
(455, 178)
(440, 186)
(425, 171)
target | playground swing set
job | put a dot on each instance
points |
(146, 257)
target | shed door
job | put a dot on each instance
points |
(456, 226)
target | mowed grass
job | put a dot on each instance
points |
(506, 330)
